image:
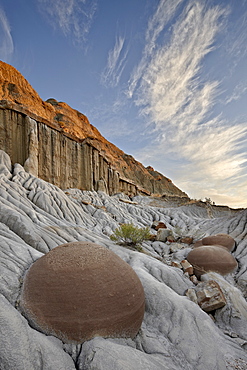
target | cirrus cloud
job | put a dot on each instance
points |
(171, 91)
(163, 14)
(115, 64)
(73, 17)
(6, 43)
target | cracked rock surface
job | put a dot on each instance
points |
(176, 333)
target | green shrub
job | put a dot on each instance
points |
(129, 234)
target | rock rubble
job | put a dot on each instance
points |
(208, 295)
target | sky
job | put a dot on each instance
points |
(164, 80)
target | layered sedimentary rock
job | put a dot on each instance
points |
(80, 290)
(208, 295)
(59, 145)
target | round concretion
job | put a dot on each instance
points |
(220, 239)
(81, 290)
(198, 244)
(211, 258)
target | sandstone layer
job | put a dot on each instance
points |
(19, 103)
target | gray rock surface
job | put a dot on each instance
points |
(36, 216)
(24, 348)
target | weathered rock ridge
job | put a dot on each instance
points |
(58, 144)
(176, 333)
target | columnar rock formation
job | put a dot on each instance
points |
(59, 145)
(47, 153)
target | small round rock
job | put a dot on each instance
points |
(211, 258)
(80, 290)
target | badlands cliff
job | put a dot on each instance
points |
(171, 312)
(58, 144)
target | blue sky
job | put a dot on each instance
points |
(164, 80)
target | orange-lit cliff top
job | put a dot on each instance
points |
(19, 95)
(16, 93)
(16, 89)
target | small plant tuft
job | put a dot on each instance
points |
(131, 235)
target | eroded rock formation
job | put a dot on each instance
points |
(58, 144)
(176, 334)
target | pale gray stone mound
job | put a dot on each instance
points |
(23, 348)
(176, 334)
(80, 290)
(5, 165)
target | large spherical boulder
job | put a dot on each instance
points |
(220, 239)
(81, 290)
(211, 258)
(198, 243)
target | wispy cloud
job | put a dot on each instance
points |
(236, 45)
(210, 161)
(169, 89)
(111, 118)
(6, 42)
(73, 17)
(157, 23)
(238, 92)
(170, 86)
(115, 63)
